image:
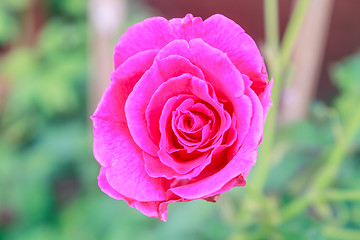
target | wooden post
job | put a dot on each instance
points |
(106, 19)
(308, 56)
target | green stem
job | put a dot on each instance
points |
(336, 156)
(341, 233)
(272, 46)
(278, 63)
(342, 195)
(292, 31)
(296, 207)
(271, 28)
(265, 151)
(328, 172)
(270, 213)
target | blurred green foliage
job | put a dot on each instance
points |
(48, 187)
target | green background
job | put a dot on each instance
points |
(48, 185)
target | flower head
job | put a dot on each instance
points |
(184, 112)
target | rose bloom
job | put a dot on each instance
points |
(184, 112)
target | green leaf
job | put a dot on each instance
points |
(346, 74)
(8, 26)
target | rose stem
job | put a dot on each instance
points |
(278, 61)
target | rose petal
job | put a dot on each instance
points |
(265, 98)
(130, 109)
(156, 32)
(199, 88)
(178, 47)
(211, 184)
(129, 178)
(152, 33)
(236, 182)
(142, 93)
(243, 111)
(255, 132)
(155, 168)
(188, 27)
(113, 146)
(232, 134)
(106, 188)
(109, 116)
(158, 100)
(240, 47)
(152, 209)
(184, 166)
(163, 154)
(217, 67)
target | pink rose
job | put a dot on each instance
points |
(184, 112)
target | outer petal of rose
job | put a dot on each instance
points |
(150, 209)
(243, 111)
(187, 28)
(216, 66)
(127, 174)
(156, 209)
(156, 32)
(106, 188)
(125, 168)
(155, 168)
(163, 208)
(152, 33)
(185, 166)
(255, 133)
(240, 47)
(236, 182)
(139, 98)
(110, 110)
(265, 98)
(178, 47)
(218, 69)
(212, 184)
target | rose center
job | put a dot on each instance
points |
(192, 121)
(189, 122)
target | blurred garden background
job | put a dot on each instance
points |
(55, 62)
